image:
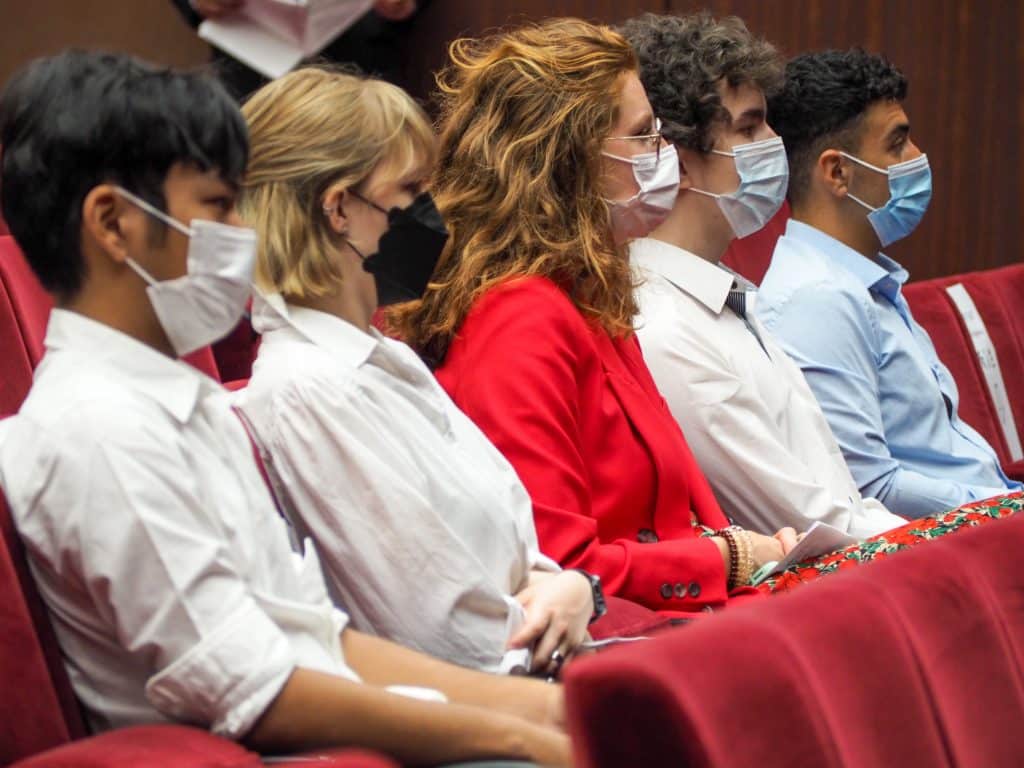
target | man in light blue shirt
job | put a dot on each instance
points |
(833, 299)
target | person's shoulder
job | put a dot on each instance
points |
(533, 291)
(801, 283)
(87, 406)
(287, 362)
(667, 310)
(529, 304)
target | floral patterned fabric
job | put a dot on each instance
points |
(909, 535)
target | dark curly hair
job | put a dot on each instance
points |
(79, 119)
(683, 59)
(822, 104)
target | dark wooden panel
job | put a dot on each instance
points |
(444, 20)
(964, 60)
(148, 28)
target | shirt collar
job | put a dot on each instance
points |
(706, 282)
(174, 385)
(880, 274)
(271, 312)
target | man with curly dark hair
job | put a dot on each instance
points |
(857, 184)
(747, 412)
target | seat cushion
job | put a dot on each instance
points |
(44, 713)
(914, 660)
(936, 313)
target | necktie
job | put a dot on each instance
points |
(736, 300)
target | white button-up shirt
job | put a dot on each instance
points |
(425, 530)
(746, 410)
(165, 567)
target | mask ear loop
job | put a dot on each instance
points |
(152, 210)
(327, 212)
(869, 166)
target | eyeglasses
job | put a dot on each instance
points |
(653, 140)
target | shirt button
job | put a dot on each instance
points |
(666, 590)
(694, 590)
(680, 590)
(646, 536)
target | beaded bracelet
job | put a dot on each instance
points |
(741, 555)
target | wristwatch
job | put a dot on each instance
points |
(596, 592)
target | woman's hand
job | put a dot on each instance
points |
(764, 549)
(558, 609)
(215, 9)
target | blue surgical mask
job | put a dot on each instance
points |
(910, 191)
(764, 178)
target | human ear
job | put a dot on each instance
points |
(105, 222)
(686, 158)
(332, 209)
(832, 172)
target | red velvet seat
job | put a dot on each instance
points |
(913, 660)
(992, 291)
(752, 255)
(236, 352)
(24, 311)
(997, 294)
(936, 313)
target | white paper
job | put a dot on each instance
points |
(821, 539)
(593, 645)
(252, 45)
(273, 36)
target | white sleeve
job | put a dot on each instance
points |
(156, 566)
(393, 557)
(737, 442)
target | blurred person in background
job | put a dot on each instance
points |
(375, 43)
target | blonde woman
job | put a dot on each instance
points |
(424, 530)
(550, 160)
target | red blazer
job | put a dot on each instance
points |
(615, 488)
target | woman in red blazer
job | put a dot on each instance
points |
(551, 159)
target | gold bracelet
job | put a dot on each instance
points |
(745, 570)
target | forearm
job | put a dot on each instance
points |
(914, 495)
(383, 663)
(316, 711)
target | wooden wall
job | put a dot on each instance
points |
(152, 29)
(964, 59)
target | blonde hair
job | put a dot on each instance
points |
(524, 114)
(310, 130)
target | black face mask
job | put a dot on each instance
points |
(408, 252)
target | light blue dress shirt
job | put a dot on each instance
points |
(891, 403)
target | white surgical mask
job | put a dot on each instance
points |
(204, 304)
(657, 175)
(764, 178)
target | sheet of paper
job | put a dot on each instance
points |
(254, 46)
(273, 36)
(593, 645)
(821, 539)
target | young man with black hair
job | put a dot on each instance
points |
(167, 572)
(746, 410)
(831, 297)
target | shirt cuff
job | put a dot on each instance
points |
(229, 679)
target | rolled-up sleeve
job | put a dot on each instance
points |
(157, 565)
